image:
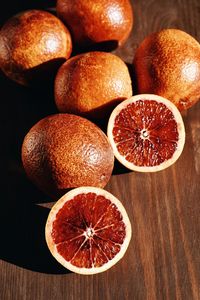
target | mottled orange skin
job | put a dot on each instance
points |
(91, 84)
(65, 151)
(95, 21)
(167, 63)
(31, 42)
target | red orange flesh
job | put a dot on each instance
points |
(88, 230)
(147, 133)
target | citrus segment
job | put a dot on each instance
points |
(146, 132)
(88, 230)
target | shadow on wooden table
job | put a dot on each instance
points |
(22, 221)
(23, 242)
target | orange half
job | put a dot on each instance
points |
(146, 133)
(88, 230)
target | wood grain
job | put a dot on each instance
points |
(163, 259)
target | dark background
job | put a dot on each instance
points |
(163, 259)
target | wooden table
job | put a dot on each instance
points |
(163, 259)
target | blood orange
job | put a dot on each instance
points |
(161, 59)
(88, 230)
(92, 22)
(146, 132)
(64, 151)
(33, 44)
(92, 84)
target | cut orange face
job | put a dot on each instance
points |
(88, 230)
(146, 133)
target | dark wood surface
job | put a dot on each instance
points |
(163, 259)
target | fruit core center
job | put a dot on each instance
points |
(144, 134)
(89, 232)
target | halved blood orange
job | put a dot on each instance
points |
(88, 230)
(146, 133)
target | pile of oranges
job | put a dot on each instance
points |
(145, 132)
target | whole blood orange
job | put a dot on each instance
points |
(91, 84)
(96, 21)
(147, 133)
(33, 43)
(64, 151)
(167, 63)
(88, 230)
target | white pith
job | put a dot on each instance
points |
(180, 126)
(89, 231)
